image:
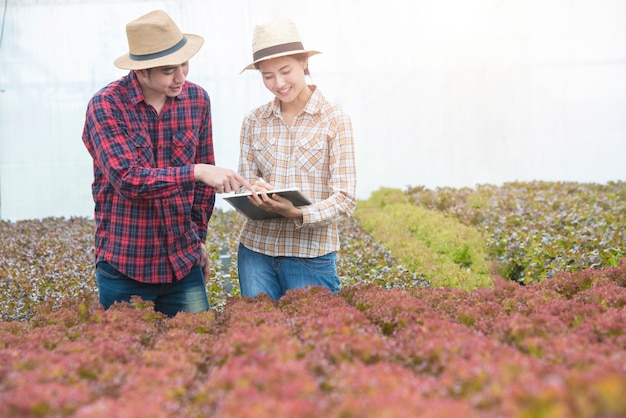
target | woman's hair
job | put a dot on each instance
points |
(298, 57)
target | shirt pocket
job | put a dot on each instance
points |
(312, 153)
(184, 145)
(265, 154)
(143, 149)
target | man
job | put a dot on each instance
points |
(150, 137)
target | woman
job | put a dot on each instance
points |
(300, 140)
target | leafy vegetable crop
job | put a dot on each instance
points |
(557, 348)
(397, 341)
(535, 229)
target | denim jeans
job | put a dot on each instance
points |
(185, 295)
(260, 273)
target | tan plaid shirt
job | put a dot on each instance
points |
(316, 154)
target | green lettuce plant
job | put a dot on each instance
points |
(443, 250)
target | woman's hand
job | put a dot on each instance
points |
(261, 185)
(273, 202)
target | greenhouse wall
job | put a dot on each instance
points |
(441, 93)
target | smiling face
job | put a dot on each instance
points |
(160, 83)
(285, 78)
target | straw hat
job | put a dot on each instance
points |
(154, 40)
(274, 39)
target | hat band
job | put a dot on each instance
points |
(277, 49)
(168, 51)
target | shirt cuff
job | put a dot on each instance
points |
(187, 173)
(306, 218)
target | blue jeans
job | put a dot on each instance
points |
(185, 295)
(260, 273)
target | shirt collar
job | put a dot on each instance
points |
(134, 88)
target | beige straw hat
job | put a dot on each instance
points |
(274, 39)
(154, 40)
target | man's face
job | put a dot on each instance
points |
(167, 80)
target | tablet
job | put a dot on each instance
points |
(240, 202)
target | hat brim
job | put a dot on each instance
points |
(193, 45)
(307, 52)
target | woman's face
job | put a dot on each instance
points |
(284, 77)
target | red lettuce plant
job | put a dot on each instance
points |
(366, 351)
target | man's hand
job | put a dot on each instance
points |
(223, 180)
(204, 263)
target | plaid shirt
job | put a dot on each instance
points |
(316, 154)
(151, 217)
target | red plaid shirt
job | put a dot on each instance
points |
(151, 216)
